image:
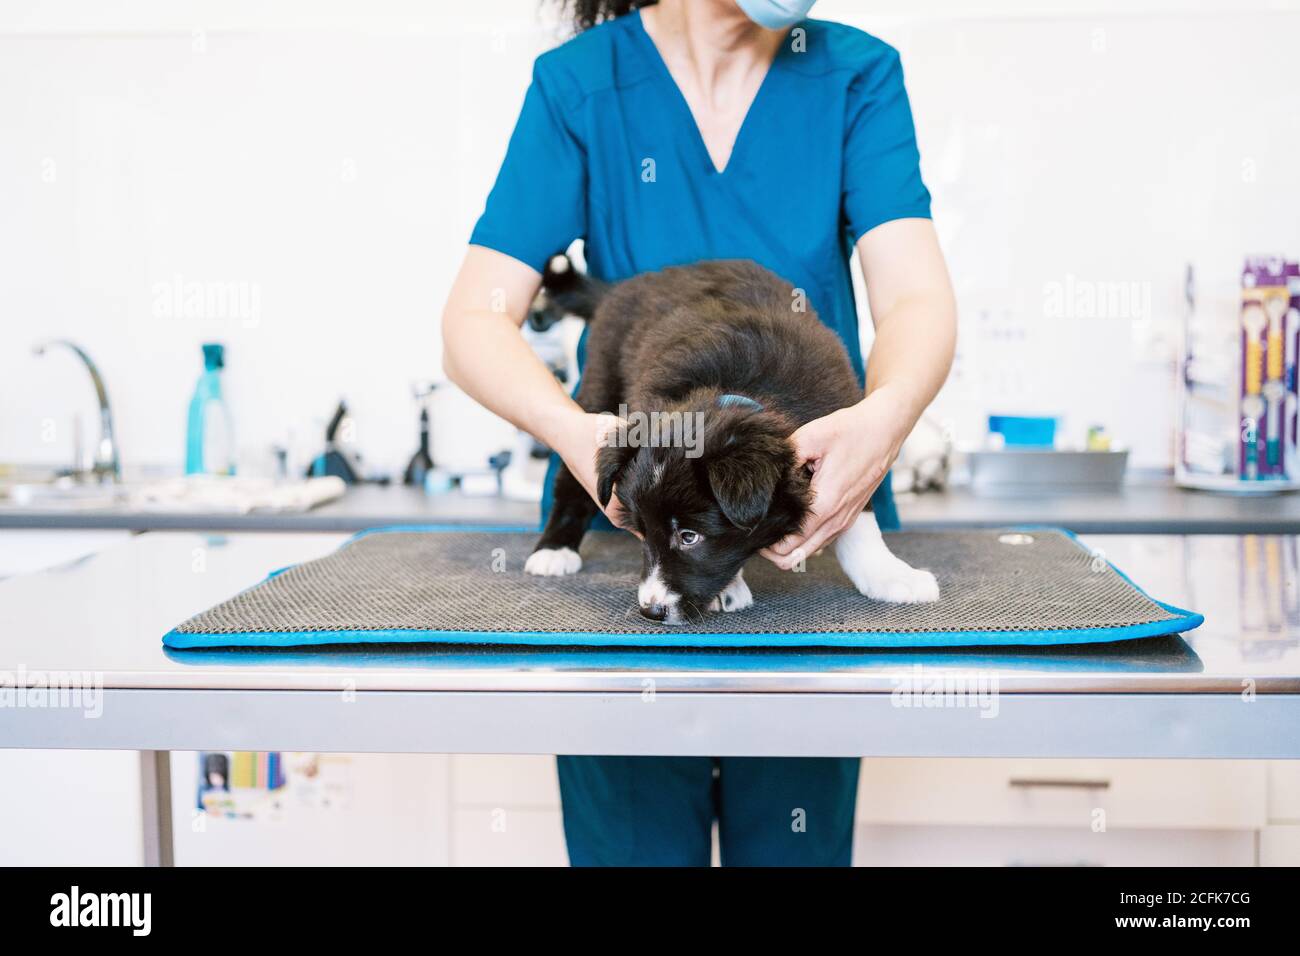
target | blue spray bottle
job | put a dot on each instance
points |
(209, 442)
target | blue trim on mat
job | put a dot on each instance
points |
(666, 637)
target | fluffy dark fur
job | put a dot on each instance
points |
(678, 341)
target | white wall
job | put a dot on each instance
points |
(331, 177)
(1081, 154)
(329, 160)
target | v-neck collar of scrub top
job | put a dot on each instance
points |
(665, 75)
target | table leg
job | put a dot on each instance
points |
(156, 794)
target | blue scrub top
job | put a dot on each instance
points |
(606, 150)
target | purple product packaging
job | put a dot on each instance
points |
(1264, 305)
(1291, 328)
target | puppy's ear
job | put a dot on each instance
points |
(610, 462)
(748, 468)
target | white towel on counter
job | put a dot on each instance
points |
(222, 494)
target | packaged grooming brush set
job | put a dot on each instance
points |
(1238, 386)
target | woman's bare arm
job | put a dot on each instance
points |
(914, 311)
(484, 353)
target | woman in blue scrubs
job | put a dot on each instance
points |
(716, 129)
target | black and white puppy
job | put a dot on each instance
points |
(711, 367)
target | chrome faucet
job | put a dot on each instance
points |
(105, 467)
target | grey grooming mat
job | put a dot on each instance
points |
(410, 585)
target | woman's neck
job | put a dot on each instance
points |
(712, 40)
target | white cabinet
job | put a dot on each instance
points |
(1279, 842)
(1093, 795)
(481, 780)
(1049, 846)
(952, 812)
(70, 808)
(506, 811)
(1279, 845)
(503, 836)
(1061, 812)
(1284, 791)
(76, 807)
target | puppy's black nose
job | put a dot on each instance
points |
(656, 612)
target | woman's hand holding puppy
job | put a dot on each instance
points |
(915, 316)
(849, 452)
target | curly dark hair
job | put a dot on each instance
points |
(585, 14)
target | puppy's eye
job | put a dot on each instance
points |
(689, 538)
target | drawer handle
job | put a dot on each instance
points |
(1027, 783)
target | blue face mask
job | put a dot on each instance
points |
(776, 14)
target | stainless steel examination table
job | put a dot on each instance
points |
(1228, 690)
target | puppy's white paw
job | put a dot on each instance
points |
(553, 562)
(734, 597)
(876, 572)
(901, 584)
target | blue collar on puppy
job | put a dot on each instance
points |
(730, 401)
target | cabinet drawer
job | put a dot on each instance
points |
(1049, 846)
(1091, 794)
